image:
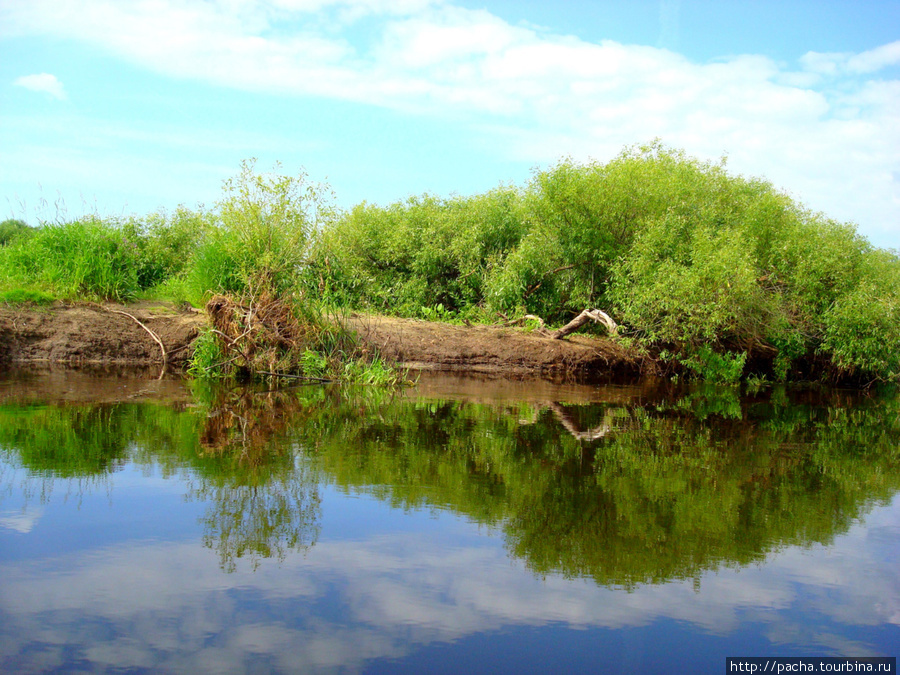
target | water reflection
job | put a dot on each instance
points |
(643, 488)
(262, 490)
(698, 520)
(349, 602)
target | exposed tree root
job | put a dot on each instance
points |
(260, 334)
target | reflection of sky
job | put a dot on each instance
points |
(396, 585)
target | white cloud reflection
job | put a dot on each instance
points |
(21, 521)
(168, 606)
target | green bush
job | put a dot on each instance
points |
(260, 236)
(725, 273)
(165, 244)
(13, 228)
(419, 253)
(689, 287)
(862, 335)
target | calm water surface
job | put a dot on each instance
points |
(458, 526)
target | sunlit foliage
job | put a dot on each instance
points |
(717, 275)
(720, 275)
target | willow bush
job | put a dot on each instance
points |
(420, 253)
(720, 274)
(259, 234)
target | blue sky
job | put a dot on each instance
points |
(126, 107)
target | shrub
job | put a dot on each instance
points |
(722, 272)
(419, 253)
(261, 234)
(688, 285)
(861, 333)
(11, 229)
(165, 244)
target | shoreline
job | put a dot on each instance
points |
(91, 334)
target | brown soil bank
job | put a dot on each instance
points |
(111, 334)
(441, 346)
(95, 334)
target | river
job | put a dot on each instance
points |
(459, 525)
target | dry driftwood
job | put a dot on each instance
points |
(587, 315)
(582, 435)
(522, 321)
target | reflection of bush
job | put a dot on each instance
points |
(262, 498)
(267, 503)
(664, 492)
(67, 442)
(261, 521)
(624, 493)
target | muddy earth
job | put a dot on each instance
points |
(87, 334)
(478, 348)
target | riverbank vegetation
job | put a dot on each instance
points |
(712, 274)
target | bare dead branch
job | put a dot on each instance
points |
(587, 315)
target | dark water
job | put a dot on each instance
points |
(458, 526)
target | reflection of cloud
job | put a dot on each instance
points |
(21, 521)
(168, 607)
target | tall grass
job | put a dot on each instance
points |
(84, 259)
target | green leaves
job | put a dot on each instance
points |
(862, 335)
(261, 234)
(689, 286)
(724, 272)
(713, 268)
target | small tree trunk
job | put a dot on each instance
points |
(587, 315)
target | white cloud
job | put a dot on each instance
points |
(826, 129)
(870, 61)
(42, 82)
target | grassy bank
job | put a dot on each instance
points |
(715, 275)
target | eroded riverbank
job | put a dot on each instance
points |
(120, 335)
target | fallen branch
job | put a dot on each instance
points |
(162, 347)
(569, 425)
(587, 315)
